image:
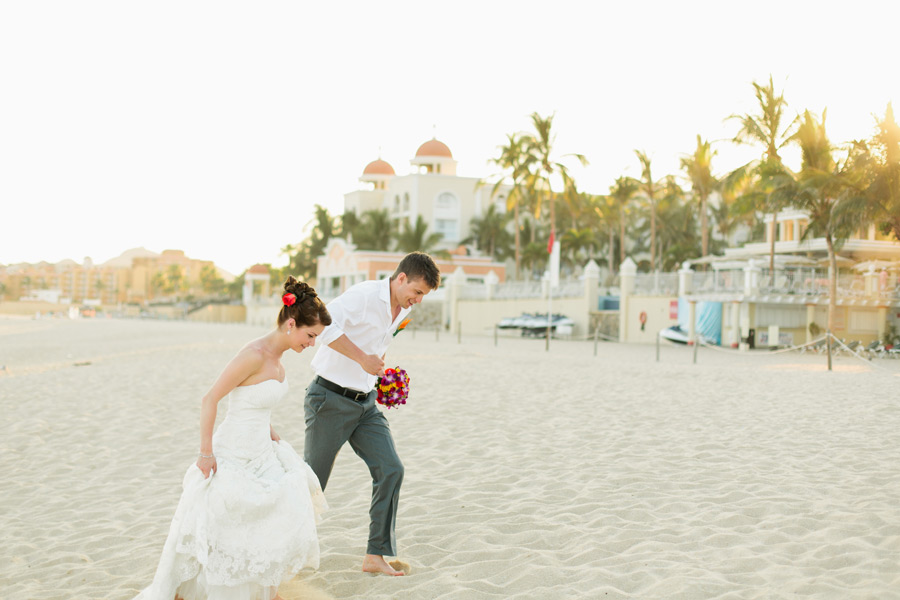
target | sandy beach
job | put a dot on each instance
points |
(528, 474)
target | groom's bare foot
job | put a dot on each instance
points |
(373, 563)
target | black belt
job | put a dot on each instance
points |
(354, 395)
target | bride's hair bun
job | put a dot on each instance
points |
(302, 303)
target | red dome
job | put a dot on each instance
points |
(378, 167)
(434, 148)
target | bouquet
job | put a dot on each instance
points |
(393, 387)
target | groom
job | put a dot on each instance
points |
(340, 402)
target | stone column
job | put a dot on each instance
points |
(685, 279)
(692, 322)
(457, 280)
(871, 282)
(735, 323)
(490, 284)
(627, 274)
(751, 278)
(591, 285)
(882, 322)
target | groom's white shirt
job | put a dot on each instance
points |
(363, 314)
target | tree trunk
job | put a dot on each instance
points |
(704, 226)
(621, 235)
(772, 251)
(612, 253)
(652, 236)
(832, 293)
(518, 241)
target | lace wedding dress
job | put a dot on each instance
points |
(252, 524)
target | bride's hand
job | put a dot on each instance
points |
(207, 466)
(275, 436)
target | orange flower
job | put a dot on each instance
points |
(402, 326)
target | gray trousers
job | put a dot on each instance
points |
(331, 420)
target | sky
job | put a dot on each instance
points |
(215, 127)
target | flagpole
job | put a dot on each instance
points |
(553, 248)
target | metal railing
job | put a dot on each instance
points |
(656, 284)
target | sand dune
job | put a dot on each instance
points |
(528, 474)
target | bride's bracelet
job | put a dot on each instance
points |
(207, 455)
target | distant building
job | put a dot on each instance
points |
(130, 277)
(342, 266)
(446, 201)
(789, 226)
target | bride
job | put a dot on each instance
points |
(246, 520)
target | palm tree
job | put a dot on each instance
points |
(348, 223)
(210, 281)
(650, 190)
(158, 282)
(324, 228)
(515, 159)
(374, 231)
(881, 204)
(609, 215)
(175, 281)
(489, 233)
(304, 259)
(819, 188)
(621, 194)
(546, 166)
(740, 196)
(699, 170)
(765, 129)
(416, 238)
(678, 239)
(579, 244)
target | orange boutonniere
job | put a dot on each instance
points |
(402, 326)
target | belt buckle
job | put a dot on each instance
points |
(359, 395)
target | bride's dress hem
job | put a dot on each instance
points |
(251, 525)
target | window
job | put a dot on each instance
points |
(448, 228)
(446, 201)
(406, 202)
(446, 216)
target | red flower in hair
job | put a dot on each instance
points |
(289, 299)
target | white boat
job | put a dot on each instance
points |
(679, 336)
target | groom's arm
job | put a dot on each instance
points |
(371, 364)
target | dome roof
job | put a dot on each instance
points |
(378, 167)
(434, 148)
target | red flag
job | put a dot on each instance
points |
(550, 244)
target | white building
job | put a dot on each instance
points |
(446, 201)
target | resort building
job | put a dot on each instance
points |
(446, 201)
(136, 276)
(342, 266)
(788, 305)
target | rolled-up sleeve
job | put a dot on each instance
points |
(345, 310)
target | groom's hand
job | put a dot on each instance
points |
(373, 365)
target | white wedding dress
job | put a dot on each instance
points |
(252, 524)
